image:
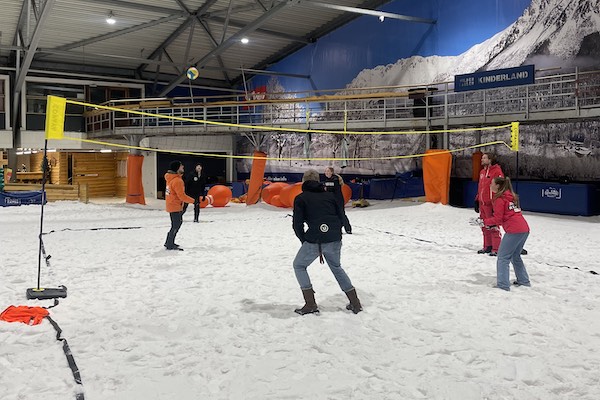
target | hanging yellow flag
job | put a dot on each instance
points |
(55, 117)
(514, 136)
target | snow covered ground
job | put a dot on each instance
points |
(216, 321)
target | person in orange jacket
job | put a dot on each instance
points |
(175, 197)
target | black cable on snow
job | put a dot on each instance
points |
(69, 355)
(466, 248)
(93, 229)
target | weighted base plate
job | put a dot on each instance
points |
(46, 293)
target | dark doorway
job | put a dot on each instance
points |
(213, 168)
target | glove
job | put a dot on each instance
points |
(476, 222)
(476, 206)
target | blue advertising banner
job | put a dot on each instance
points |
(9, 199)
(524, 75)
(555, 198)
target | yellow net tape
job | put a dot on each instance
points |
(290, 130)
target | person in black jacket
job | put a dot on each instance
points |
(194, 186)
(333, 183)
(322, 213)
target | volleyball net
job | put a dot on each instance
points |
(284, 144)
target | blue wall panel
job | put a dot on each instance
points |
(548, 197)
(334, 60)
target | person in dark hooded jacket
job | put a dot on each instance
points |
(333, 184)
(321, 212)
(194, 186)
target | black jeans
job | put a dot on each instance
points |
(176, 221)
(196, 208)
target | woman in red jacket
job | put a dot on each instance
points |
(508, 214)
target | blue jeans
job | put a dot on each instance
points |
(510, 250)
(309, 252)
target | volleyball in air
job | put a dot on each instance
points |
(192, 73)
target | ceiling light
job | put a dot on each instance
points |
(381, 18)
(245, 40)
(110, 19)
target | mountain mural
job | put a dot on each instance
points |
(550, 33)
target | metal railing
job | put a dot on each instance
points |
(566, 95)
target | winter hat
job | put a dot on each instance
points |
(174, 166)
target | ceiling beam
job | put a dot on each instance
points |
(33, 44)
(121, 32)
(365, 11)
(199, 63)
(175, 34)
(133, 6)
(239, 25)
(31, 49)
(226, 24)
(34, 8)
(49, 52)
(179, 67)
(234, 10)
(20, 22)
(204, 25)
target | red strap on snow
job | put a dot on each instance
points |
(25, 314)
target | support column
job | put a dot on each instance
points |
(135, 161)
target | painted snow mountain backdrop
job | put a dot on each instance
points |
(550, 33)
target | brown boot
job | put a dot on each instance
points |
(354, 305)
(310, 306)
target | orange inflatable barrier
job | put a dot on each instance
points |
(476, 160)
(272, 190)
(436, 176)
(135, 188)
(25, 314)
(288, 194)
(221, 195)
(257, 175)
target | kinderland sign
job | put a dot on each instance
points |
(524, 75)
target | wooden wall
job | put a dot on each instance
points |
(98, 171)
(58, 165)
(104, 173)
(59, 173)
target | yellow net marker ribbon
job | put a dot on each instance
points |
(514, 136)
(55, 117)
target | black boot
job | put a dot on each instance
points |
(310, 306)
(354, 305)
(485, 250)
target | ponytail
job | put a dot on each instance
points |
(505, 185)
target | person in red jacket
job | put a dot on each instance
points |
(175, 197)
(516, 230)
(483, 202)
